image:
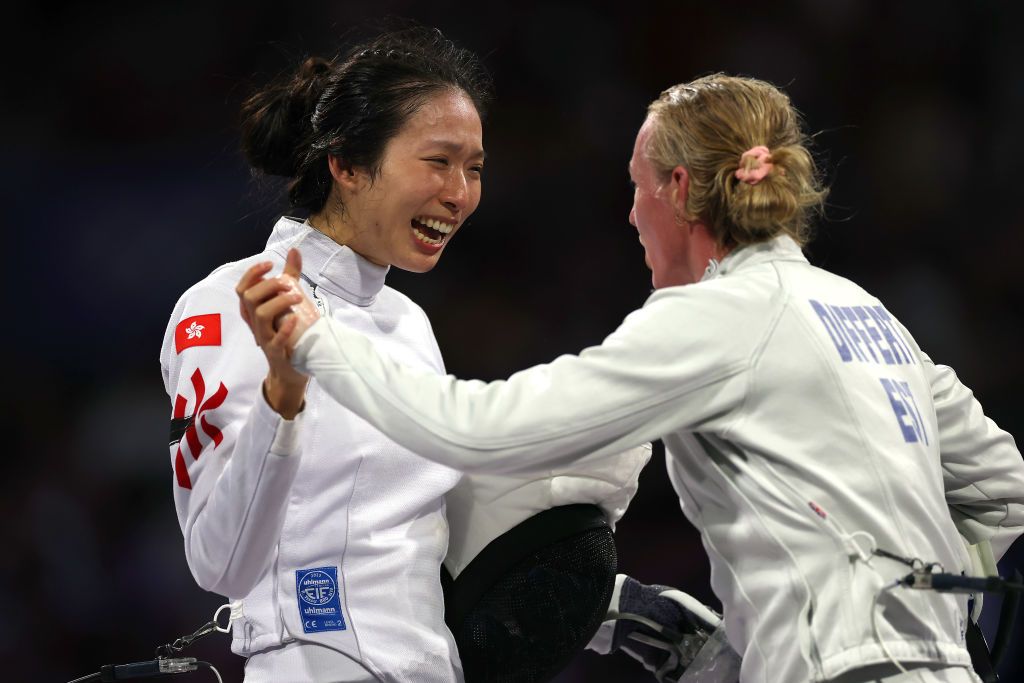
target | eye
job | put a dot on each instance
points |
(477, 168)
(441, 161)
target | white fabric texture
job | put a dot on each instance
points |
(269, 498)
(803, 428)
(484, 506)
(297, 662)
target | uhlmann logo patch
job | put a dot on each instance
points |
(319, 600)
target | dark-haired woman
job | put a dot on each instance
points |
(821, 454)
(327, 535)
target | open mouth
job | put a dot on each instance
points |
(431, 231)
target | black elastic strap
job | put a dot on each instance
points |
(981, 661)
(180, 425)
(1007, 618)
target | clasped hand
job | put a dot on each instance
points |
(278, 312)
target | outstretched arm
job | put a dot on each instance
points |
(667, 367)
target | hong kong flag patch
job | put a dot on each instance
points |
(199, 330)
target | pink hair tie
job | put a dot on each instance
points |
(761, 167)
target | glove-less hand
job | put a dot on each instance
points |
(278, 312)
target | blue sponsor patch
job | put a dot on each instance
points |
(319, 599)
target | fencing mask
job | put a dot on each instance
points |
(533, 597)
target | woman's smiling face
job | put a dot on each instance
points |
(428, 185)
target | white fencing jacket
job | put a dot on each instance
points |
(324, 506)
(262, 500)
(804, 428)
(483, 506)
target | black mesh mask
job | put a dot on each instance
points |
(534, 597)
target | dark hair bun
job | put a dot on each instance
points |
(276, 121)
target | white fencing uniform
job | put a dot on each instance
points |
(803, 427)
(266, 500)
(327, 531)
(484, 506)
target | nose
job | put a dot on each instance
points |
(632, 216)
(456, 192)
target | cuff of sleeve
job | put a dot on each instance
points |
(300, 356)
(601, 643)
(286, 432)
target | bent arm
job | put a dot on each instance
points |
(233, 458)
(665, 368)
(982, 468)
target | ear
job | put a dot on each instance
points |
(345, 175)
(680, 183)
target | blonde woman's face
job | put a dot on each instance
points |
(429, 184)
(666, 244)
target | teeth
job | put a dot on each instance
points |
(426, 240)
(445, 228)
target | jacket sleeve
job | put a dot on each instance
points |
(667, 367)
(233, 459)
(982, 468)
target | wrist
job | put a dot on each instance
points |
(285, 396)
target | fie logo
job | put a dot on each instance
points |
(317, 587)
(318, 594)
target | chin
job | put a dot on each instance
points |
(654, 277)
(418, 263)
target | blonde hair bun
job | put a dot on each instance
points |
(710, 126)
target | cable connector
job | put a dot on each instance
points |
(147, 669)
(952, 583)
(177, 665)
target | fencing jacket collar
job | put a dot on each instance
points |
(334, 267)
(781, 248)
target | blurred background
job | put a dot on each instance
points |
(123, 186)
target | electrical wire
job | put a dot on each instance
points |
(90, 677)
(166, 663)
(874, 625)
(211, 667)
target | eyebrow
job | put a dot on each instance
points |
(454, 147)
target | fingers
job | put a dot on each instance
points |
(305, 313)
(279, 343)
(264, 302)
(271, 313)
(266, 289)
(293, 265)
(259, 294)
(252, 276)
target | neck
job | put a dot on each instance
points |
(332, 226)
(339, 230)
(703, 249)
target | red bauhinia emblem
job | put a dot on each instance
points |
(191, 433)
(199, 330)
